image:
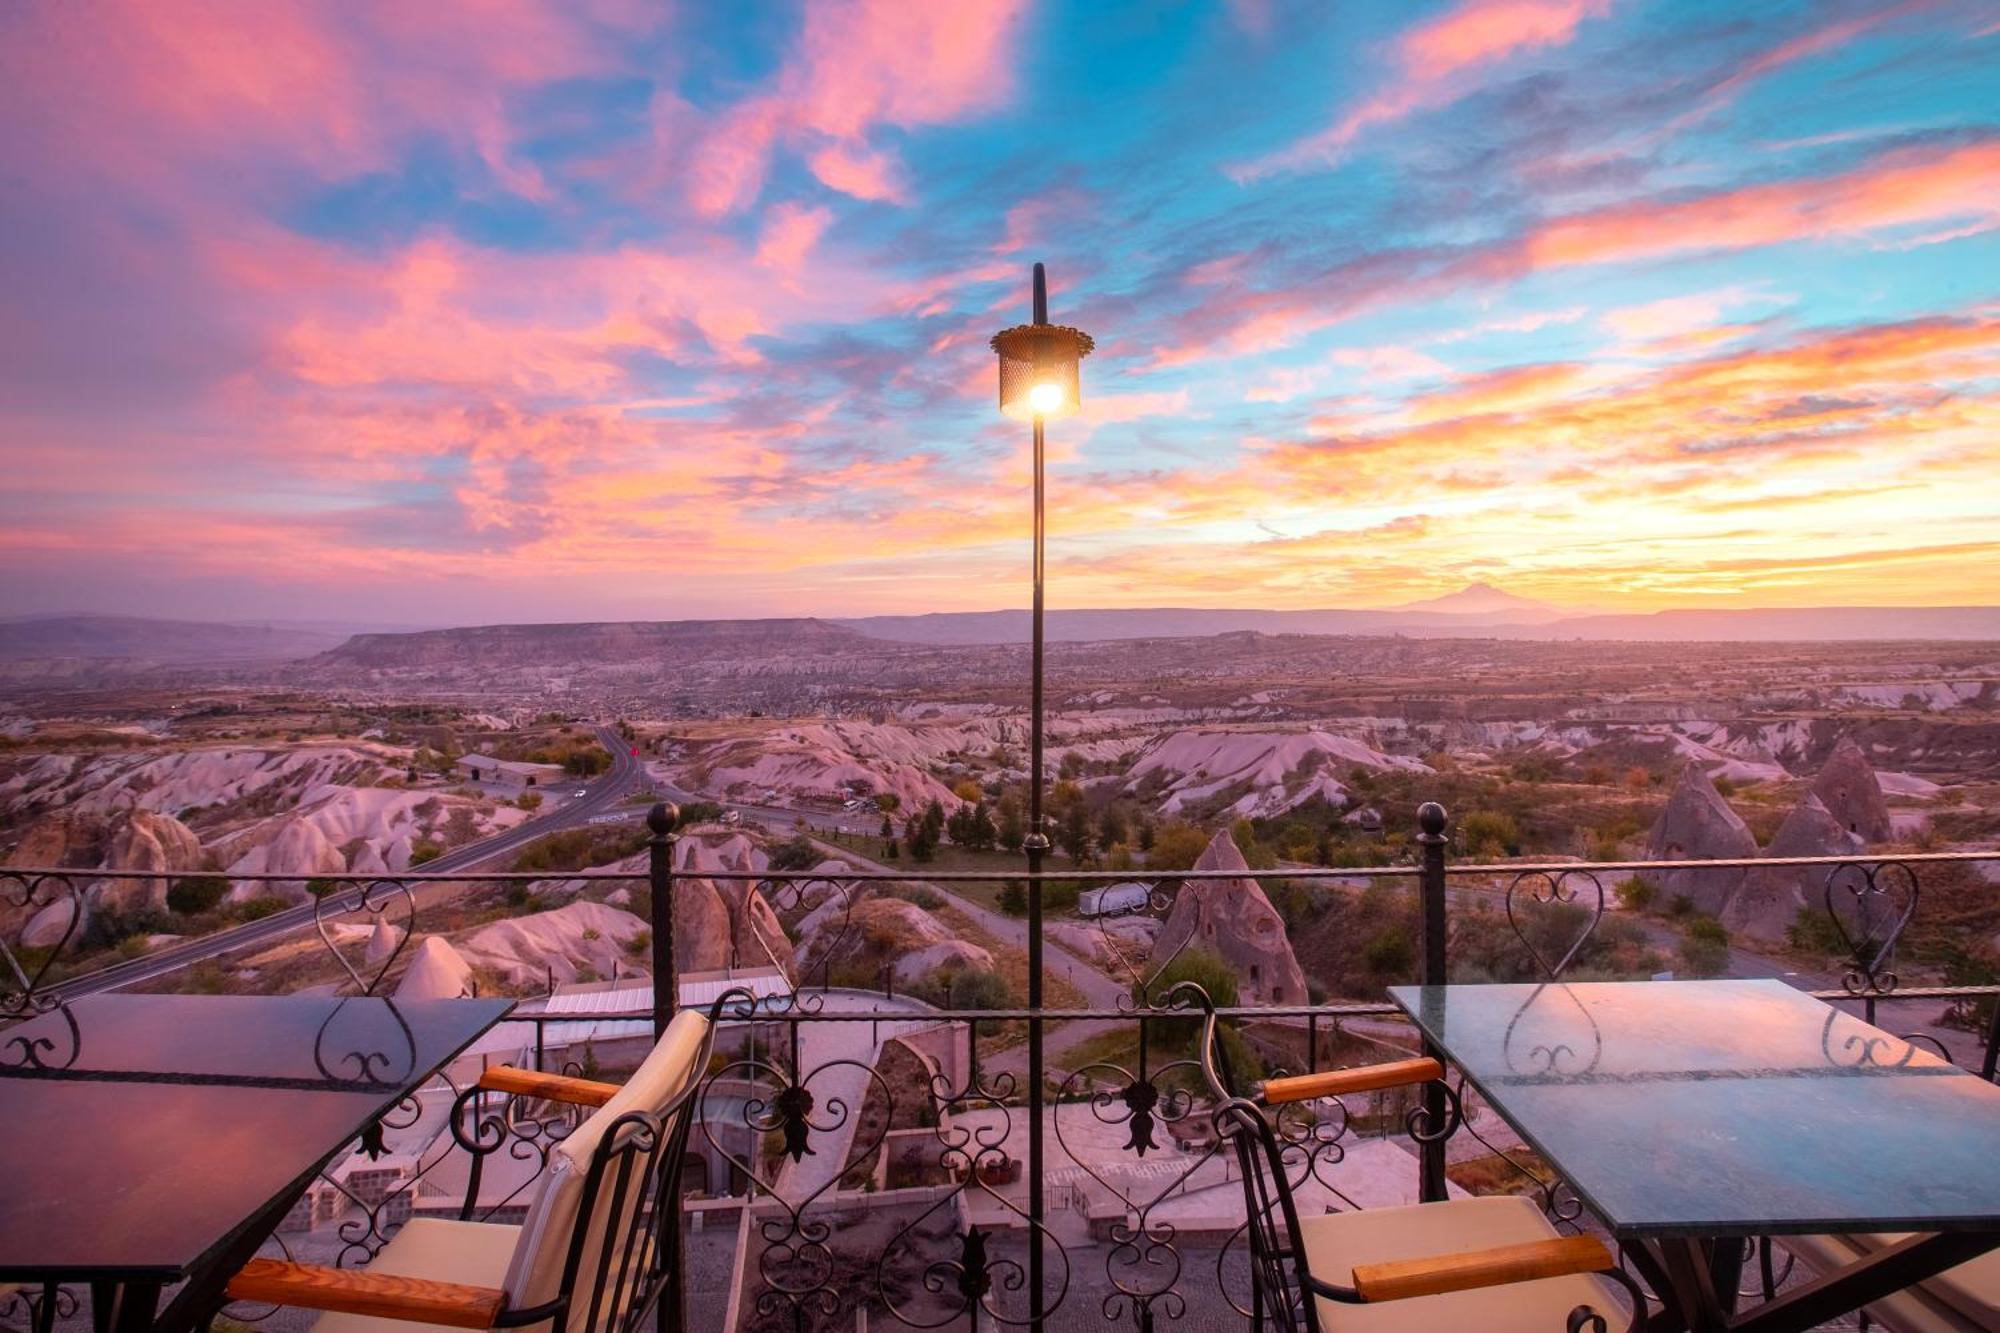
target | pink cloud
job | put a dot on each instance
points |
(860, 65)
(790, 233)
(1432, 59)
(861, 172)
(1899, 189)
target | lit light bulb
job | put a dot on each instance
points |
(1045, 398)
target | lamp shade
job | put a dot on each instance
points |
(1040, 369)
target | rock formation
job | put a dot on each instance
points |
(300, 847)
(143, 840)
(1233, 918)
(1698, 825)
(1852, 794)
(583, 941)
(720, 923)
(131, 839)
(436, 972)
(885, 931)
(1771, 896)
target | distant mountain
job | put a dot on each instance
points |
(1778, 624)
(507, 647)
(138, 639)
(1510, 618)
(1487, 602)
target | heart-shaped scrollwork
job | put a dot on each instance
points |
(1563, 909)
(763, 1102)
(982, 1280)
(374, 903)
(29, 895)
(1877, 901)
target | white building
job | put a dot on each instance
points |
(509, 772)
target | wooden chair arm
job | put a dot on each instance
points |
(358, 1291)
(1335, 1082)
(1561, 1256)
(550, 1087)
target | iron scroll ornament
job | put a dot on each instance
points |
(21, 991)
(1880, 898)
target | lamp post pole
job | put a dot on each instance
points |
(1037, 847)
(1039, 377)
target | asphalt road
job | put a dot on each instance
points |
(605, 794)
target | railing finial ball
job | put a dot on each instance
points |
(663, 818)
(1431, 818)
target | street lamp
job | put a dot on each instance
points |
(1040, 377)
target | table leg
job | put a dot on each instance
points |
(1886, 1271)
(1691, 1276)
(1725, 1266)
(123, 1307)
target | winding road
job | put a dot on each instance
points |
(602, 795)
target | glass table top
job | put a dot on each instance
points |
(143, 1132)
(1714, 1108)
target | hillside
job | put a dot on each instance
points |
(140, 639)
(595, 644)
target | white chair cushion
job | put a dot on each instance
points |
(534, 1276)
(472, 1253)
(1965, 1299)
(1336, 1242)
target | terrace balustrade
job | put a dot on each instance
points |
(856, 1157)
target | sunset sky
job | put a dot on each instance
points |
(552, 310)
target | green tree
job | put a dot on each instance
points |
(196, 894)
(918, 837)
(1011, 826)
(1073, 832)
(1488, 835)
(1112, 827)
(1176, 846)
(980, 829)
(798, 853)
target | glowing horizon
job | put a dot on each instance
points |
(539, 311)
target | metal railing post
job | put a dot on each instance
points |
(1431, 843)
(663, 819)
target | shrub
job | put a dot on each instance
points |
(424, 850)
(1177, 845)
(529, 800)
(1637, 894)
(1681, 906)
(258, 908)
(1391, 953)
(797, 854)
(1488, 834)
(1705, 929)
(1704, 958)
(1815, 931)
(919, 895)
(196, 894)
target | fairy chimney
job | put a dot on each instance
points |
(1849, 789)
(1698, 825)
(1233, 918)
(1772, 896)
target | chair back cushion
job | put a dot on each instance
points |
(535, 1274)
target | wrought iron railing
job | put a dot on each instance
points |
(863, 1150)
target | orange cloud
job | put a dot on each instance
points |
(1918, 186)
